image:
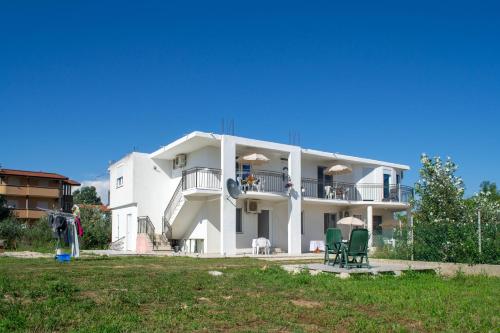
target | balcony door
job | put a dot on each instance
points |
(323, 180)
(387, 181)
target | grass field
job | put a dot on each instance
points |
(177, 294)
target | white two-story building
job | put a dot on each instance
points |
(288, 195)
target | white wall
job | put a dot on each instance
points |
(121, 228)
(205, 226)
(314, 222)
(358, 175)
(151, 188)
(278, 222)
(120, 196)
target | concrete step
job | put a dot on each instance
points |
(163, 249)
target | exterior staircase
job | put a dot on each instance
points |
(173, 208)
(118, 245)
(162, 244)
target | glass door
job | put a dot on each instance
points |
(387, 181)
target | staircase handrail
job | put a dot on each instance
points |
(169, 211)
(145, 226)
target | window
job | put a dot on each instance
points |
(43, 183)
(302, 223)
(119, 176)
(119, 181)
(330, 221)
(14, 181)
(11, 204)
(239, 224)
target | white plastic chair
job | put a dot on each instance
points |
(261, 243)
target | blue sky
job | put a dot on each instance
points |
(84, 82)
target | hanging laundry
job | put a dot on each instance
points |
(79, 226)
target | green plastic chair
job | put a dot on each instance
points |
(333, 245)
(357, 250)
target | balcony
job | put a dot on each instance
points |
(201, 179)
(28, 213)
(263, 181)
(312, 188)
(14, 190)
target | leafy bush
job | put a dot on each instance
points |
(445, 224)
(38, 235)
(97, 228)
(10, 231)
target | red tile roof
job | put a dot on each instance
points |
(72, 182)
(37, 174)
(102, 208)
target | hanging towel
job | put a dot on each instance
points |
(79, 226)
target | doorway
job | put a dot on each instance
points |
(128, 227)
(387, 181)
(263, 224)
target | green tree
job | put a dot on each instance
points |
(442, 227)
(491, 188)
(97, 228)
(11, 231)
(86, 195)
(4, 210)
(486, 205)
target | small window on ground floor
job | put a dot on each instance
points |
(239, 224)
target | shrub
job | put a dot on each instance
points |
(97, 228)
(38, 234)
(10, 231)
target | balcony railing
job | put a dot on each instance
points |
(29, 190)
(312, 188)
(262, 181)
(201, 178)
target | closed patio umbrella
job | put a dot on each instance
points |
(338, 169)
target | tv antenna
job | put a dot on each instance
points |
(294, 138)
(227, 126)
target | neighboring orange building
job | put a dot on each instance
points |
(28, 191)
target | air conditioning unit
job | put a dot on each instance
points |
(180, 161)
(252, 206)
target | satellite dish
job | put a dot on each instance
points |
(233, 188)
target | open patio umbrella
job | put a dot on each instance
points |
(338, 169)
(255, 159)
(351, 221)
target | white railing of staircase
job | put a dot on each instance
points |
(169, 211)
(145, 226)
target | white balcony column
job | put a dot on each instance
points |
(227, 204)
(295, 203)
(369, 222)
